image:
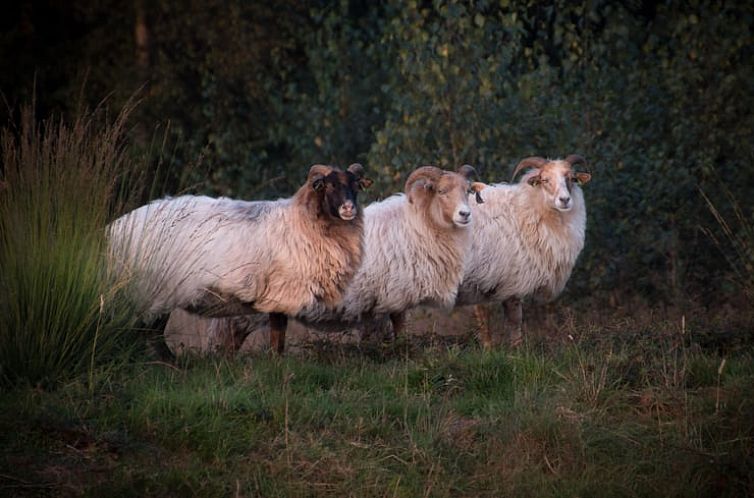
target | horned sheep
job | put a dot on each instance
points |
(526, 241)
(222, 257)
(416, 249)
(416, 246)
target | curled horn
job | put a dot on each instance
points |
(529, 162)
(580, 177)
(575, 159)
(319, 170)
(424, 173)
(467, 171)
(357, 169)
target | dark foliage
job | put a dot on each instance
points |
(657, 95)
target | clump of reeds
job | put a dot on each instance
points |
(736, 242)
(61, 309)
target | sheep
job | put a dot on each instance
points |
(526, 241)
(415, 251)
(416, 248)
(221, 257)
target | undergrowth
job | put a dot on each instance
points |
(632, 411)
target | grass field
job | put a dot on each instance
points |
(602, 400)
(623, 407)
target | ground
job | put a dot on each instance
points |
(657, 403)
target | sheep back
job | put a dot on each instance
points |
(231, 256)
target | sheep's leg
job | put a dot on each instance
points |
(399, 324)
(240, 332)
(239, 336)
(220, 334)
(513, 321)
(482, 314)
(228, 334)
(278, 323)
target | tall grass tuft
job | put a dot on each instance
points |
(737, 244)
(61, 310)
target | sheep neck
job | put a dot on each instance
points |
(333, 247)
(553, 234)
(442, 249)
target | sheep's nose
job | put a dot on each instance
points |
(464, 214)
(565, 200)
(347, 210)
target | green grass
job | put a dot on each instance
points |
(646, 405)
(61, 309)
(611, 413)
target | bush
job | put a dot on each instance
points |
(654, 95)
(654, 98)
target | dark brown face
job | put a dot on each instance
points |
(339, 189)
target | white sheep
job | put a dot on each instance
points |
(526, 240)
(415, 248)
(220, 257)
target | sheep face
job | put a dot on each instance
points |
(337, 190)
(555, 179)
(451, 203)
(443, 195)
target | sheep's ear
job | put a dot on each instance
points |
(358, 171)
(365, 183)
(318, 182)
(534, 180)
(423, 183)
(477, 187)
(582, 178)
(317, 174)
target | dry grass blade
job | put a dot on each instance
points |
(738, 243)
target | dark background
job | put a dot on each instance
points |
(240, 98)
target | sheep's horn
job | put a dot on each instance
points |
(319, 169)
(575, 159)
(425, 172)
(529, 162)
(467, 171)
(357, 169)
